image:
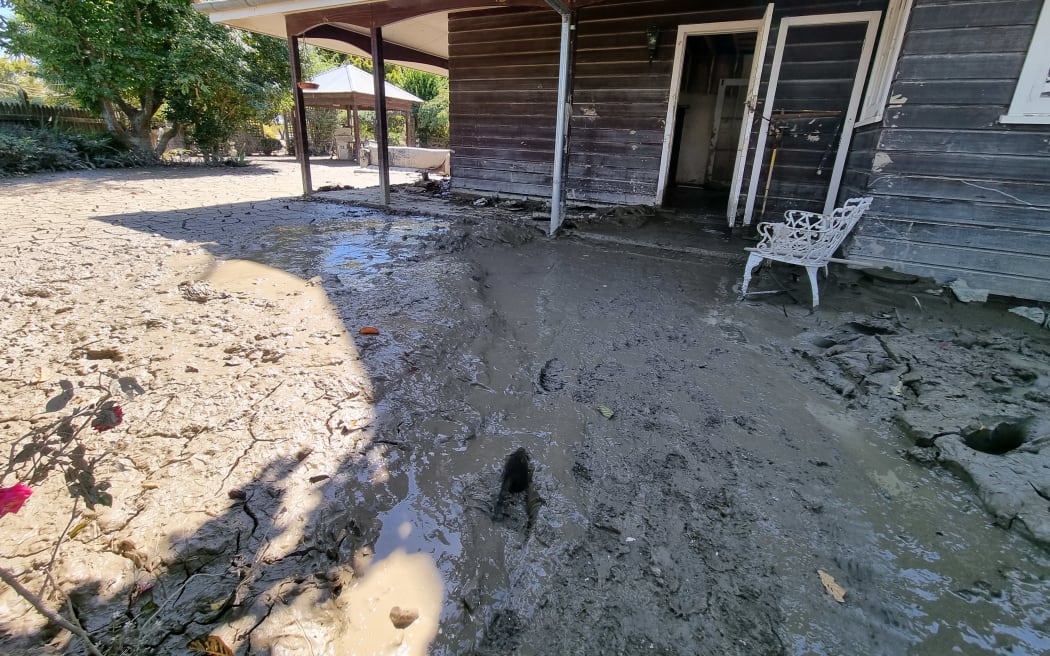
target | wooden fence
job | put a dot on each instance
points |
(39, 116)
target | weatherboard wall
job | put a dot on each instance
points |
(958, 194)
(503, 73)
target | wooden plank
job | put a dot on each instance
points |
(954, 257)
(949, 234)
(621, 109)
(500, 70)
(963, 117)
(583, 134)
(963, 213)
(494, 175)
(530, 84)
(618, 123)
(531, 111)
(465, 184)
(527, 59)
(509, 97)
(504, 33)
(497, 153)
(640, 176)
(588, 69)
(535, 141)
(513, 166)
(960, 14)
(963, 41)
(956, 92)
(494, 19)
(959, 67)
(492, 131)
(630, 187)
(985, 142)
(512, 46)
(1001, 167)
(1002, 285)
(1027, 194)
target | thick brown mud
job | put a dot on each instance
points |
(550, 447)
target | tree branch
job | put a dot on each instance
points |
(10, 580)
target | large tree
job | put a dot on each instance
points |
(127, 58)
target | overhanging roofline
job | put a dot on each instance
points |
(225, 10)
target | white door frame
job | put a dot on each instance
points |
(849, 118)
(760, 27)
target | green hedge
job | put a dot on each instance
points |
(28, 150)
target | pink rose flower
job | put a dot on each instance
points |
(12, 498)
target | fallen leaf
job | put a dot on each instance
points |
(606, 411)
(211, 645)
(402, 618)
(834, 589)
(369, 330)
(81, 525)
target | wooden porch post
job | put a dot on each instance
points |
(299, 115)
(382, 140)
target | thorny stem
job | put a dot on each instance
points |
(10, 580)
(58, 542)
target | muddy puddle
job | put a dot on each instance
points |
(695, 518)
(345, 241)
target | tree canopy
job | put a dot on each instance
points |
(129, 59)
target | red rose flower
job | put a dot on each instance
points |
(109, 416)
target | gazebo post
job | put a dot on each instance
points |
(410, 129)
(299, 115)
(382, 139)
(357, 135)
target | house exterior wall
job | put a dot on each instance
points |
(958, 194)
(503, 74)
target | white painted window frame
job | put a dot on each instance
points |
(1031, 101)
(885, 64)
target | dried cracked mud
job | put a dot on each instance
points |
(560, 446)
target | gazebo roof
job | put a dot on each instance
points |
(349, 86)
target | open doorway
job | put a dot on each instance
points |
(710, 111)
(708, 118)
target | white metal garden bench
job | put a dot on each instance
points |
(807, 239)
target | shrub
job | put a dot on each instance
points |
(28, 150)
(269, 145)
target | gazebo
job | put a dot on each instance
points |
(350, 88)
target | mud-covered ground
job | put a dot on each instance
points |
(282, 481)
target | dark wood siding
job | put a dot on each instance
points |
(503, 77)
(503, 70)
(957, 194)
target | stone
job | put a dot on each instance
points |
(967, 294)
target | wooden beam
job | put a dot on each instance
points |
(382, 138)
(299, 115)
(379, 14)
(363, 43)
